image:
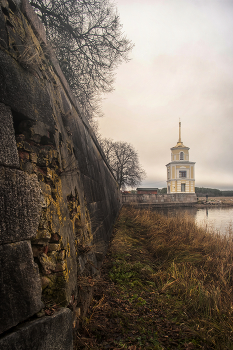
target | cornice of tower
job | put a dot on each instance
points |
(180, 146)
(180, 162)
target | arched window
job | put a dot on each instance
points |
(181, 155)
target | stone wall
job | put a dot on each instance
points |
(58, 197)
(159, 199)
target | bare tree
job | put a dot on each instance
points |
(123, 161)
(89, 43)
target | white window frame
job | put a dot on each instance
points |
(181, 172)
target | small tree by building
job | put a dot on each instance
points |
(124, 163)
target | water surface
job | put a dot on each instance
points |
(218, 219)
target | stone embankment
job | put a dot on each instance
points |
(159, 200)
(58, 197)
(214, 201)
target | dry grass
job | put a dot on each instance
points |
(195, 266)
(165, 285)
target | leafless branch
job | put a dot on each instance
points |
(89, 43)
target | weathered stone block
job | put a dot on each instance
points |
(20, 285)
(8, 150)
(47, 333)
(24, 93)
(67, 107)
(48, 263)
(19, 205)
(34, 19)
(3, 32)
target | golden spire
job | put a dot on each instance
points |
(179, 132)
(180, 143)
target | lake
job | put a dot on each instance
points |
(217, 219)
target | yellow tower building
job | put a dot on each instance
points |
(180, 171)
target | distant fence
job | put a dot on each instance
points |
(160, 199)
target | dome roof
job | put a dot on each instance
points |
(180, 145)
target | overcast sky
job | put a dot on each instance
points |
(181, 67)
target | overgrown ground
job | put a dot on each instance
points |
(165, 284)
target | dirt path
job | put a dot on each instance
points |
(127, 311)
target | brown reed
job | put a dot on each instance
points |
(192, 265)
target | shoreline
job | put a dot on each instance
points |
(214, 202)
(208, 205)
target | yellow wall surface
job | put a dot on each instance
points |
(173, 172)
(175, 186)
(175, 154)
